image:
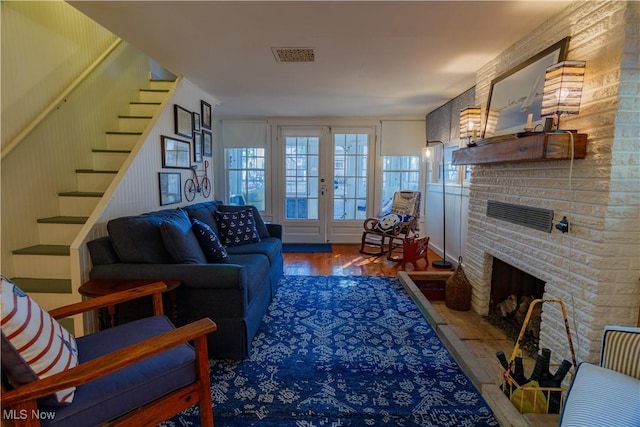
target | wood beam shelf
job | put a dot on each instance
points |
(532, 148)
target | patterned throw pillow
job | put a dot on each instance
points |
(209, 242)
(34, 345)
(387, 222)
(237, 228)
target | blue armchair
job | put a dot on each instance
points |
(137, 373)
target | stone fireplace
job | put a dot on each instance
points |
(595, 267)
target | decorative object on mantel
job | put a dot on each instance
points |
(494, 139)
(563, 89)
(470, 124)
(533, 148)
(516, 94)
(442, 263)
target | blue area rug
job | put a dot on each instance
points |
(343, 351)
(307, 247)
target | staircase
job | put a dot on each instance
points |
(44, 270)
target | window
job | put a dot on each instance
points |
(451, 170)
(246, 172)
(399, 173)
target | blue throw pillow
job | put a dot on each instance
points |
(179, 239)
(237, 228)
(209, 242)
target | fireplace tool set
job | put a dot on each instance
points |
(542, 392)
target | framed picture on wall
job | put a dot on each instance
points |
(183, 120)
(518, 92)
(207, 144)
(197, 147)
(175, 153)
(196, 121)
(205, 108)
(170, 188)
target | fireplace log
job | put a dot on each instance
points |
(507, 306)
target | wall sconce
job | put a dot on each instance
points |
(563, 89)
(469, 123)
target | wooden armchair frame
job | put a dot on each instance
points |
(24, 397)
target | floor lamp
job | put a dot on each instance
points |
(442, 263)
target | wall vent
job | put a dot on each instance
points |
(294, 54)
(536, 218)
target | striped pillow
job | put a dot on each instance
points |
(34, 345)
(620, 350)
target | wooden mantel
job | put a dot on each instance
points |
(533, 148)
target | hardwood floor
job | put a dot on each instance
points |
(346, 260)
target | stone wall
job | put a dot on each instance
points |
(595, 268)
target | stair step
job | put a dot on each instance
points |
(52, 250)
(90, 180)
(109, 159)
(133, 123)
(161, 84)
(51, 286)
(152, 95)
(76, 203)
(143, 108)
(122, 140)
(80, 194)
(59, 230)
(64, 220)
(96, 172)
(42, 261)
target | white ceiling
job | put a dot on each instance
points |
(373, 58)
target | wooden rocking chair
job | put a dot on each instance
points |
(387, 233)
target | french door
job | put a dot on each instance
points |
(326, 183)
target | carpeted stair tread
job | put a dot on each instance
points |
(51, 286)
(81, 194)
(63, 220)
(55, 250)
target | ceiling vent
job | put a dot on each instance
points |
(294, 54)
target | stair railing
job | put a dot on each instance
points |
(55, 104)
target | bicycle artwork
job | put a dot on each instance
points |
(197, 184)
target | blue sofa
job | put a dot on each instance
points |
(162, 245)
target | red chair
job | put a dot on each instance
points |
(415, 249)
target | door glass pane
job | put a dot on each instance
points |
(301, 177)
(350, 176)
